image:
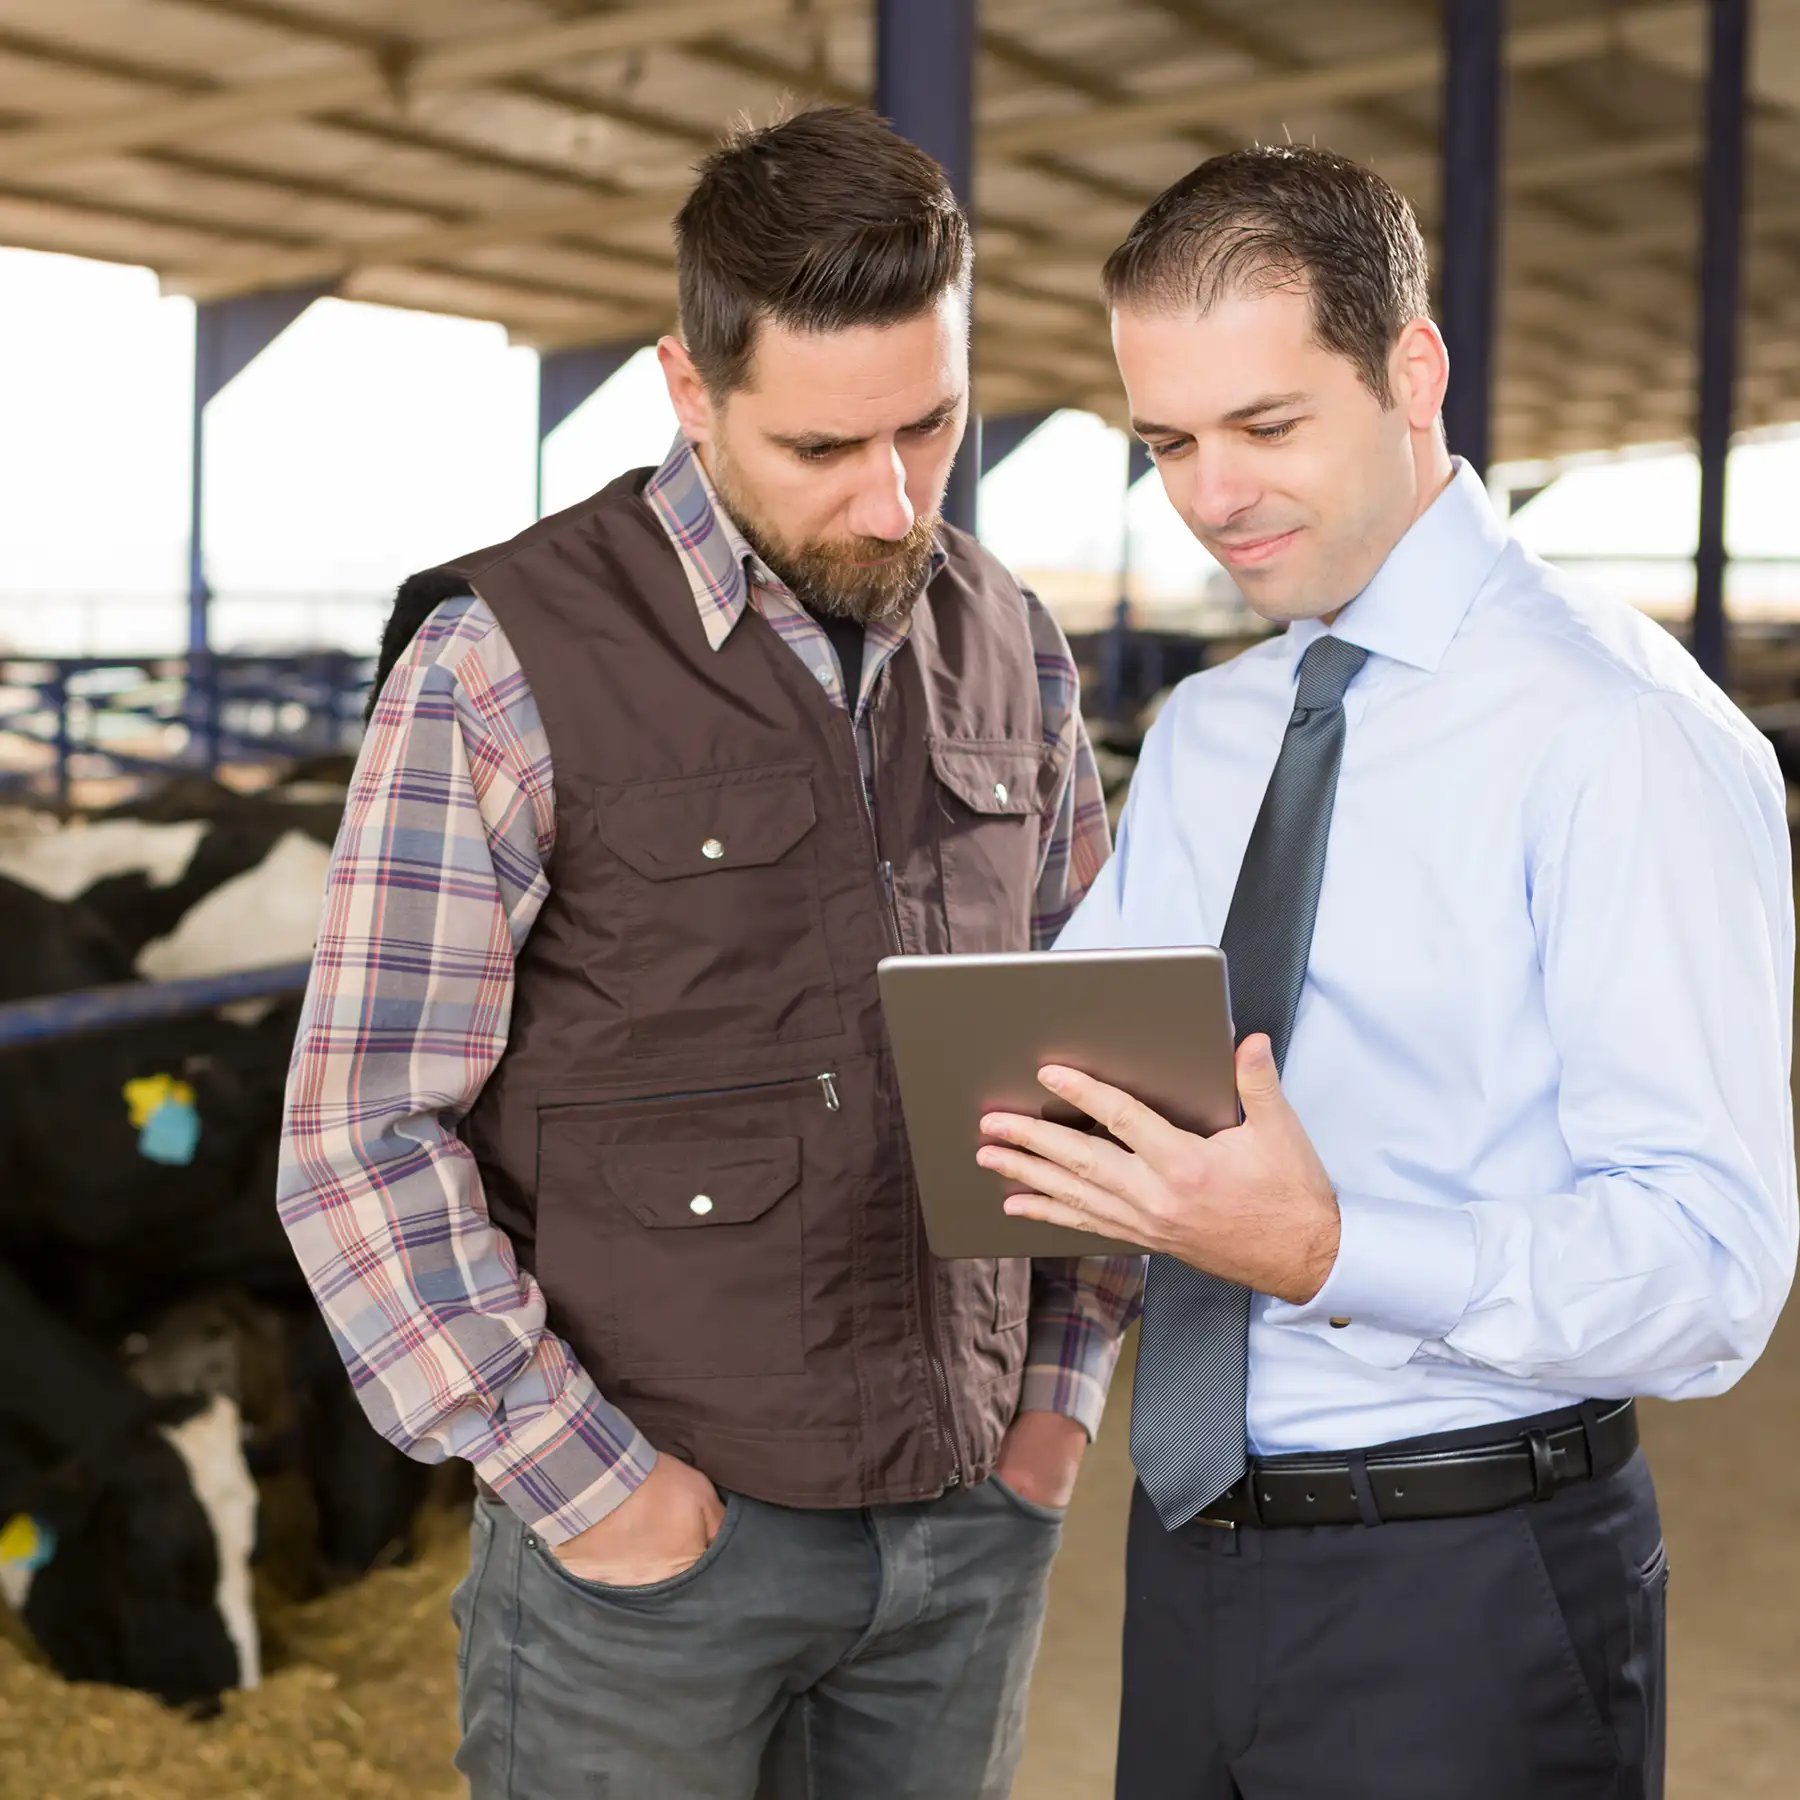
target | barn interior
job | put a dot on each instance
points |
(1610, 190)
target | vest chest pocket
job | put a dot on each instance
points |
(719, 900)
(990, 835)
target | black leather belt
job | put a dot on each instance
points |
(1519, 1463)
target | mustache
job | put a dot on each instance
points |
(848, 553)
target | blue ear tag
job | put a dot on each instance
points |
(171, 1134)
(27, 1543)
(162, 1112)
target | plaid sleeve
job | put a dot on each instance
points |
(1076, 840)
(1080, 1306)
(436, 879)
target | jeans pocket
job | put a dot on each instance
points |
(1032, 1509)
(607, 1594)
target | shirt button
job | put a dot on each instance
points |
(1339, 1324)
(824, 676)
(712, 850)
(1000, 793)
(700, 1204)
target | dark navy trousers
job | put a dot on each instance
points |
(1517, 1655)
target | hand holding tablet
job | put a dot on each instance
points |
(971, 1033)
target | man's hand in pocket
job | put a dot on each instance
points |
(662, 1530)
(1041, 1457)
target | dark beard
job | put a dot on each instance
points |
(824, 577)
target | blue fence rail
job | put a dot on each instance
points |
(85, 1011)
(69, 717)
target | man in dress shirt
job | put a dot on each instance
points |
(1503, 882)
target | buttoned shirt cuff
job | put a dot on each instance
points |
(1068, 1370)
(1404, 1272)
(577, 1483)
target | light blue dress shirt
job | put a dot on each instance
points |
(1544, 1039)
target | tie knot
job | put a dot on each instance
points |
(1326, 670)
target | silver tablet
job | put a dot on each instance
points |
(971, 1032)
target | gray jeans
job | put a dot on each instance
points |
(881, 1654)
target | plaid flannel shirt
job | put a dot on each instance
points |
(436, 879)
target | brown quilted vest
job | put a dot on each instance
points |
(694, 1136)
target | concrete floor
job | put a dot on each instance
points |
(1728, 1472)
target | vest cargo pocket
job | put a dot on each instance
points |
(719, 899)
(989, 839)
(695, 1257)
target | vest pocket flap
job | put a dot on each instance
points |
(990, 778)
(697, 1185)
(737, 820)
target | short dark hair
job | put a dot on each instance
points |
(1277, 215)
(826, 220)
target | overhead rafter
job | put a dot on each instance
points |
(316, 262)
(367, 81)
(1224, 102)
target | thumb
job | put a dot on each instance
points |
(1258, 1080)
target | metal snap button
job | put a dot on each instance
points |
(700, 1204)
(1000, 792)
(712, 850)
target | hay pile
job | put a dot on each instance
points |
(359, 1703)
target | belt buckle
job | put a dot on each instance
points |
(1216, 1524)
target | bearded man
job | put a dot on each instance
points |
(593, 1152)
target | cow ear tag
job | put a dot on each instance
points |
(168, 1125)
(27, 1543)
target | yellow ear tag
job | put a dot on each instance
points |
(148, 1093)
(26, 1543)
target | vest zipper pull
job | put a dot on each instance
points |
(828, 1082)
(893, 902)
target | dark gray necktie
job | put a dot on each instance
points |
(1187, 1418)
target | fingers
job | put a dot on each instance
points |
(1084, 1156)
(1078, 1198)
(1258, 1080)
(1129, 1120)
(1056, 1212)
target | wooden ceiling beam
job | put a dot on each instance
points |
(1227, 102)
(586, 218)
(390, 48)
(384, 85)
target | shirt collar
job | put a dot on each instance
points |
(1417, 600)
(720, 566)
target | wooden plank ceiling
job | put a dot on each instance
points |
(519, 159)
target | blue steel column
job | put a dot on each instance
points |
(1469, 215)
(1721, 266)
(567, 379)
(229, 335)
(925, 84)
(1122, 671)
(1003, 433)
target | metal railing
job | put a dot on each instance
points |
(69, 716)
(81, 1012)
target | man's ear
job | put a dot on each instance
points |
(687, 392)
(1420, 370)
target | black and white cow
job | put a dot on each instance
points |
(137, 1171)
(137, 1517)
